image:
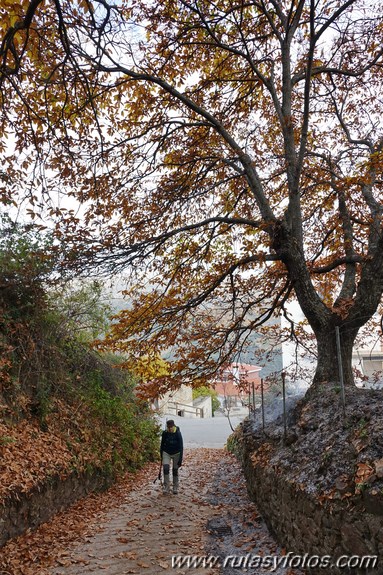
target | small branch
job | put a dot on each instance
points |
(356, 259)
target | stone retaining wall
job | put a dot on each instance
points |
(29, 510)
(304, 526)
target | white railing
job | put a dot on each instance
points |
(182, 408)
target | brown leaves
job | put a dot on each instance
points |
(262, 454)
(29, 456)
(36, 551)
(359, 443)
(364, 472)
(177, 525)
(175, 189)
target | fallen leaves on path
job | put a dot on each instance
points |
(35, 551)
(134, 529)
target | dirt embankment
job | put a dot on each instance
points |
(319, 481)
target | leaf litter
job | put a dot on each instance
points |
(134, 528)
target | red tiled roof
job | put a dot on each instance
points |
(243, 374)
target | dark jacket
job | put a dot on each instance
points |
(172, 443)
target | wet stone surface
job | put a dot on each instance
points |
(248, 547)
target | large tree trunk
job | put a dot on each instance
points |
(362, 303)
(328, 369)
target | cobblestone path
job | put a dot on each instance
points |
(135, 529)
(148, 528)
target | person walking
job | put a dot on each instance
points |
(171, 450)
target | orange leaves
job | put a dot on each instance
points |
(185, 141)
(343, 307)
(364, 472)
(28, 456)
(36, 551)
(262, 455)
(134, 511)
(12, 12)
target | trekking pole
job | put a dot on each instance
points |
(159, 477)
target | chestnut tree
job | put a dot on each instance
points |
(228, 153)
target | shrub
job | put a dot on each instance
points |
(204, 391)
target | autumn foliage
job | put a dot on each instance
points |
(228, 154)
(63, 408)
